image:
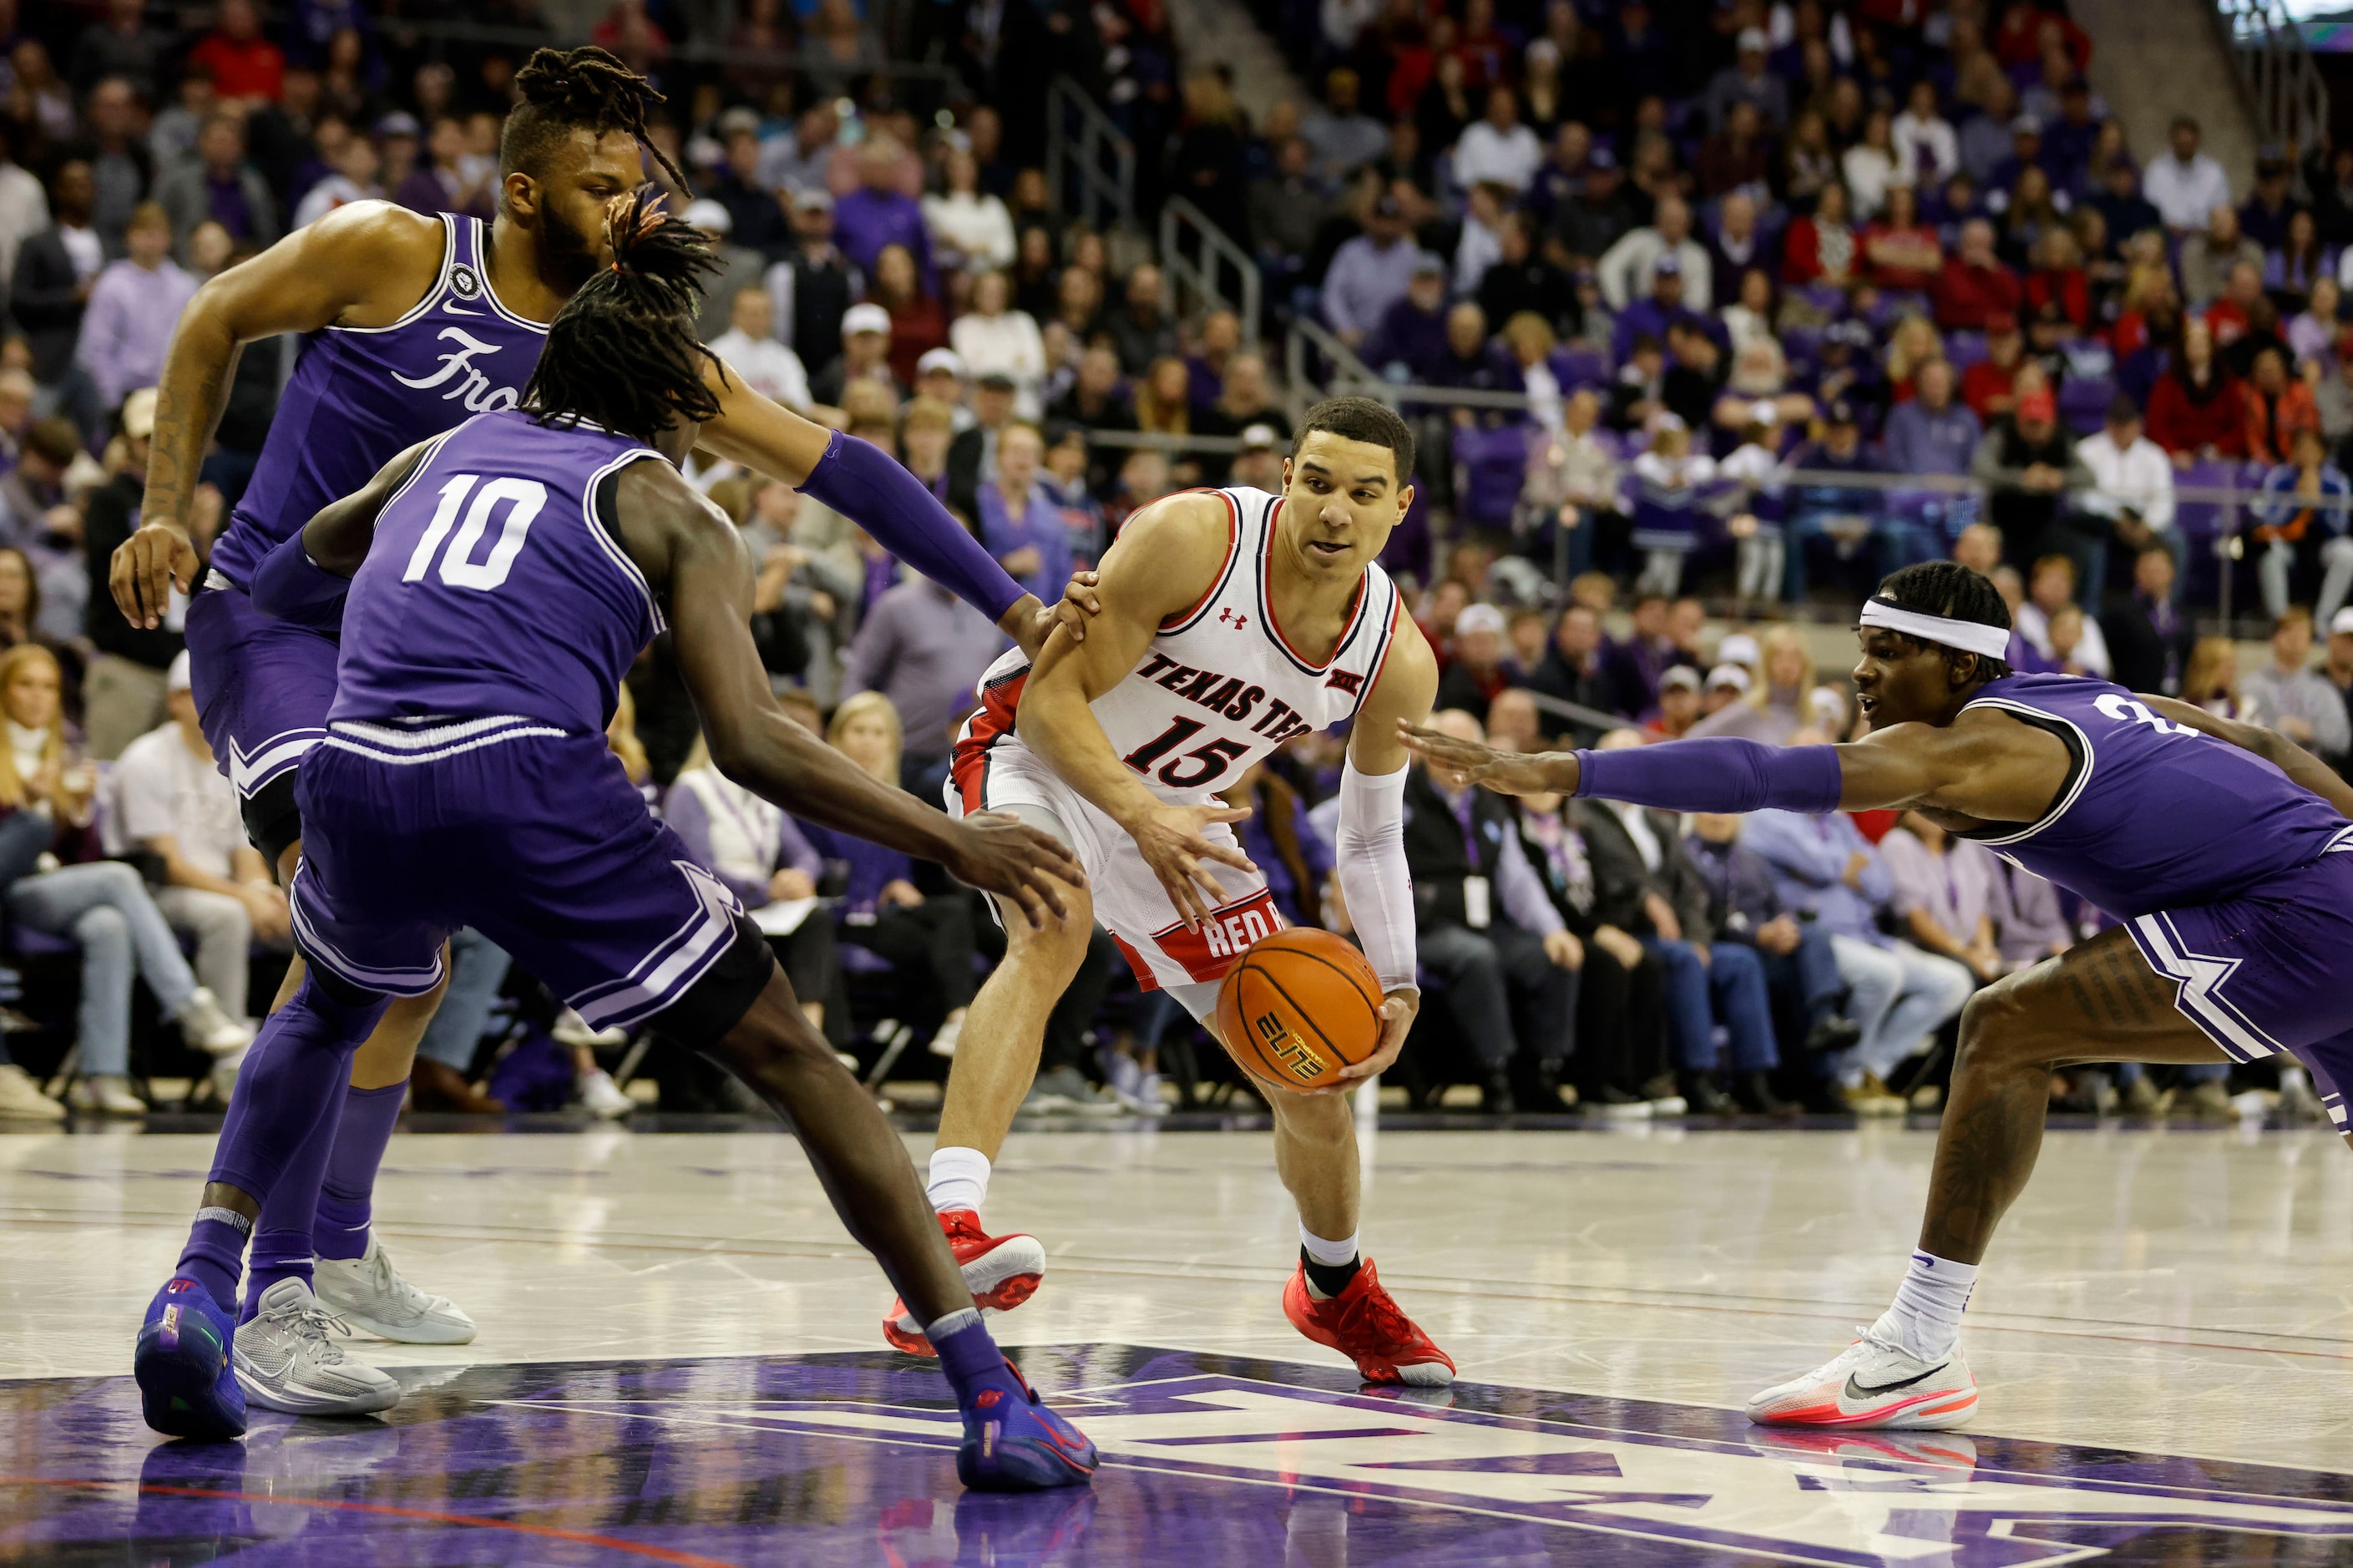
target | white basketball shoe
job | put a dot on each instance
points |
(287, 1360)
(369, 1293)
(1874, 1383)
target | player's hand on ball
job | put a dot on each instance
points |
(145, 569)
(1505, 772)
(1171, 839)
(999, 853)
(1396, 1023)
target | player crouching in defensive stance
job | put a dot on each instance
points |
(2223, 849)
(501, 579)
(1230, 621)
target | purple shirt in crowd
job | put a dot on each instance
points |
(128, 325)
(1956, 888)
(923, 647)
(866, 220)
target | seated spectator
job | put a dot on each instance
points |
(1410, 334)
(994, 337)
(1930, 433)
(2028, 463)
(918, 325)
(1748, 319)
(923, 647)
(1287, 208)
(1572, 671)
(1900, 250)
(1141, 330)
(218, 185)
(1666, 503)
(879, 213)
(1746, 907)
(1747, 82)
(1655, 314)
(1869, 167)
(971, 229)
(1847, 514)
(2050, 590)
(176, 806)
(2300, 261)
(1368, 273)
(1489, 934)
(2058, 278)
(2289, 696)
(1897, 993)
(1773, 703)
(2212, 680)
(1474, 361)
(1497, 149)
(1019, 522)
(1096, 401)
(2304, 511)
(2196, 411)
(1635, 259)
(749, 346)
(2279, 409)
(102, 905)
(2186, 185)
(1737, 157)
(355, 177)
(1244, 401)
(866, 357)
(2312, 333)
(1340, 135)
(2242, 318)
(1944, 893)
(1988, 386)
(133, 308)
(1648, 651)
(1523, 281)
(2135, 480)
(1974, 285)
(2209, 256)
(2149, 637)
(1477, 672)
(1927, 152)
(1666, 908)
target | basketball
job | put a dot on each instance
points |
(1301, 1005)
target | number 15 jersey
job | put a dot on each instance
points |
(1221, 686)
(496, 586)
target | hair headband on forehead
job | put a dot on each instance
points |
(1967, 637)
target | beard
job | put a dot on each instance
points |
(567, 257)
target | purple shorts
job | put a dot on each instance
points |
(262, 687)
(2267, 972)
(533, 837)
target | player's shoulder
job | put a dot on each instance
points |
(384, 233)
(1179, 544)
(1409, 665)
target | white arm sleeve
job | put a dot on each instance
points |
(1370, 852)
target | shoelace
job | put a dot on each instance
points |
(1377, 1312)
(315, 1326)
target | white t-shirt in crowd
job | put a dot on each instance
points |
(767, 366)
(162, 787)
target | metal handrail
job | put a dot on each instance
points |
(1090, 162)
(1204, 274)
(2275, 68)
(1348, 373)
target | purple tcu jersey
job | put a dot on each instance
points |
(360, 395)
(2154, 815)
(495, 587)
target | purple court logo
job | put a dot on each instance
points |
(1797, 1497)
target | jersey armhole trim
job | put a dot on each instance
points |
(490, 292)
(2079, 760)
(609, 543)
(432, 296)
(1380, 660)
(1184, 619)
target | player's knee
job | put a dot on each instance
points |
(1055, 942)
(1997, 1031)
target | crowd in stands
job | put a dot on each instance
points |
(1757, 300)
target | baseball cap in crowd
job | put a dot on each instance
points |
(743, 118)
(1479, 618)
(139, 413)
(176, 680)
(397, 123)
(1730, 675)
(1601, 157)
(1260, 439)
(1682, 678)
(710, 217)
(1668, 265)
(1853, 334)
(1739, 648)
(1753, 41)
(1828, 705)
(1429, 263)
(997, 381)
(2039, 405)
(2026, 125)
(813, 198)
(868, 318)
(2340, 624)
(946, 359)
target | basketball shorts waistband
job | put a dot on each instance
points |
(405, 742)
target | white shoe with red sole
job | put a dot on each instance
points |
(1001, 1272)
(1873, 1384)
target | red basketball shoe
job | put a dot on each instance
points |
(1365, 1323)
(1001, 1272)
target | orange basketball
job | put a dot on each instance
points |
(1301, 1005)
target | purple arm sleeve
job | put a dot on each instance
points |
(290, 586)
(1719, 773)
(856, 479)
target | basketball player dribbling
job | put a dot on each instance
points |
(2225, 850)
(491, 588)
(412, 326)
(1229, 621)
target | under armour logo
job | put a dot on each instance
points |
(1227, 616)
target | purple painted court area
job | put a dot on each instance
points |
(846, 1460)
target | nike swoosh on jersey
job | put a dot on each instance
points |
(456, 311)
(1858, 1391)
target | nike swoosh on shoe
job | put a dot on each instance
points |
(1860, 1391)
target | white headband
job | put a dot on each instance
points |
(1968, 636)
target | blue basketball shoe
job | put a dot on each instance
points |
(1012, 1441)
(187, 1385)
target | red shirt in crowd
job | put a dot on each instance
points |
(253, 68)
(2070, 286)
(1986, 387)
(1967, 295)
(2180, 422)
(2273, 422)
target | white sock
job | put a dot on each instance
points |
(1331, 1253)
(959, 1178)
(1926, 1318)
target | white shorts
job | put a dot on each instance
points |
(1129, 899)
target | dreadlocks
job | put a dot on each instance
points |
(622, 353)
(568, 89)
(1949, 589)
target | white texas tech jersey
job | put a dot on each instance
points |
(1220, 687)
